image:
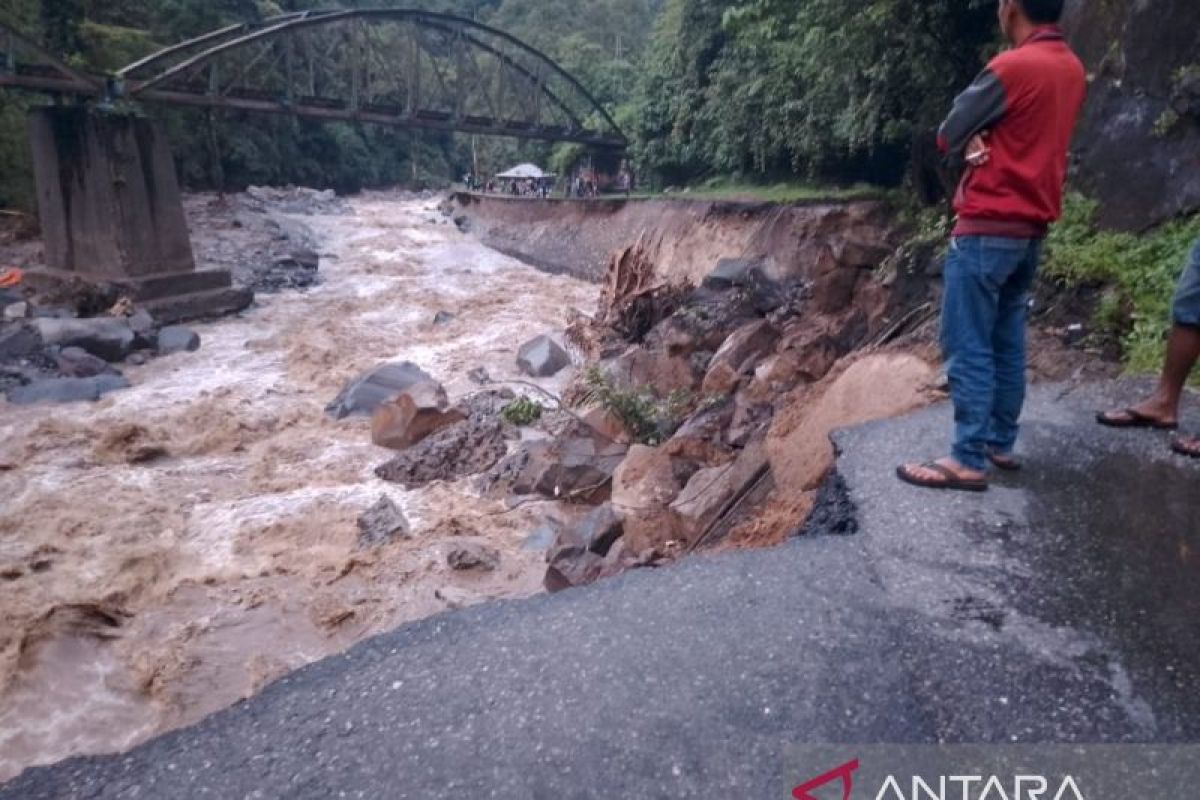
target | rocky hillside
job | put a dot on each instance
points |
(1138, 150)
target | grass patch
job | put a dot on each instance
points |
(650, 419)
(522, 412)
(781, 192)
(1140, 272)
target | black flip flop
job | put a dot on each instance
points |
(1006, 462)
(1135, 419)
(949, 481)
(1182, 449)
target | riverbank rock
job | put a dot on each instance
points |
(467, 448)
(177, 339)
(412, 415)
(110, 338)
(644, 486)
(364, 394)
(75, 362)
(578, 468)
(473, 556)
(738, 356)
(542, 357)
(712, 491)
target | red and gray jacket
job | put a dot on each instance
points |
(1028, 100)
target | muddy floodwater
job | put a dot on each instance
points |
(140, 595)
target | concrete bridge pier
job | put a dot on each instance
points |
(112, 214)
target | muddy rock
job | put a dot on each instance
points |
(414, 414)
(480, 376)
(467, 448)
(738, 356)
(598, 531)
(381, 523)
(109, 338)
(75, 362)
(177, 339)
(364, 394)
(571, 468)
(644, 487)
(711, 492)
(67, 390)
(443, 318)
(605, 425)
(542, 357)
(701, 438)
(473, 556)
(640, 367)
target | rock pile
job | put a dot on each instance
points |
(48, 355)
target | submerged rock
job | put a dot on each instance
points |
(473, 556)
(381, 523)
(75, 362)
(412, 415)
(467, 448)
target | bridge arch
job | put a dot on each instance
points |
(388, 66)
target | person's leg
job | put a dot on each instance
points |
(1008, 344)
(1183, 351)
(976, 268)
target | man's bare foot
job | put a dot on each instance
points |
(946, 473)
(1153, 413)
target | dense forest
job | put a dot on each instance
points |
(839, 90)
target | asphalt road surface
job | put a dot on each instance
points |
(1060, 606)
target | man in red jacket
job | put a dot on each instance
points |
(1013, 126)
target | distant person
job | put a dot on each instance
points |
(1161, 410)
(1013, 127)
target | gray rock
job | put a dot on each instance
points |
(600, 529)
(480, 376)
(137, 359)
(177, 339)
(443, 318)
(110, 338)
(75, 362)
(381, 523)
(367, 392)
(16, 311)
(67, 390)
(19, 342)
(473, 556)
(141, 321)
(730, 272)
(542, 357)
(305, 258)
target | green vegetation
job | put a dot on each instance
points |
(650, 419)
(1139, 271)
(522, 412)
(776, 192)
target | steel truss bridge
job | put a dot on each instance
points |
(406, 68)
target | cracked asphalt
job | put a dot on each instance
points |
(1061, 606)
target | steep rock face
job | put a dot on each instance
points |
(1128, 155)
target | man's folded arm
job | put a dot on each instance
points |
(978, 108)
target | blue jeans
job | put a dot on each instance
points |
(984, 307)
(1185, 310)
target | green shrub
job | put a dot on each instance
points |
(1140, 271)
(522, 411)
(648, 418)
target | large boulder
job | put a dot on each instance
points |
(644, 486)
(571, 468)
(542, 357)
(587, 551)
(738, 356)
(466, 448)
(19, 342)
(711, 492)
(364, 394)
(412, 415)
(110, 338)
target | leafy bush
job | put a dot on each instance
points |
(522, 412)
(648, 418)
(1140, 271)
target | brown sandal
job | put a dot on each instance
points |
(950, 479)
(1187, 447)
(1132, 418)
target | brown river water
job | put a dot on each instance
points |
(139, 597)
